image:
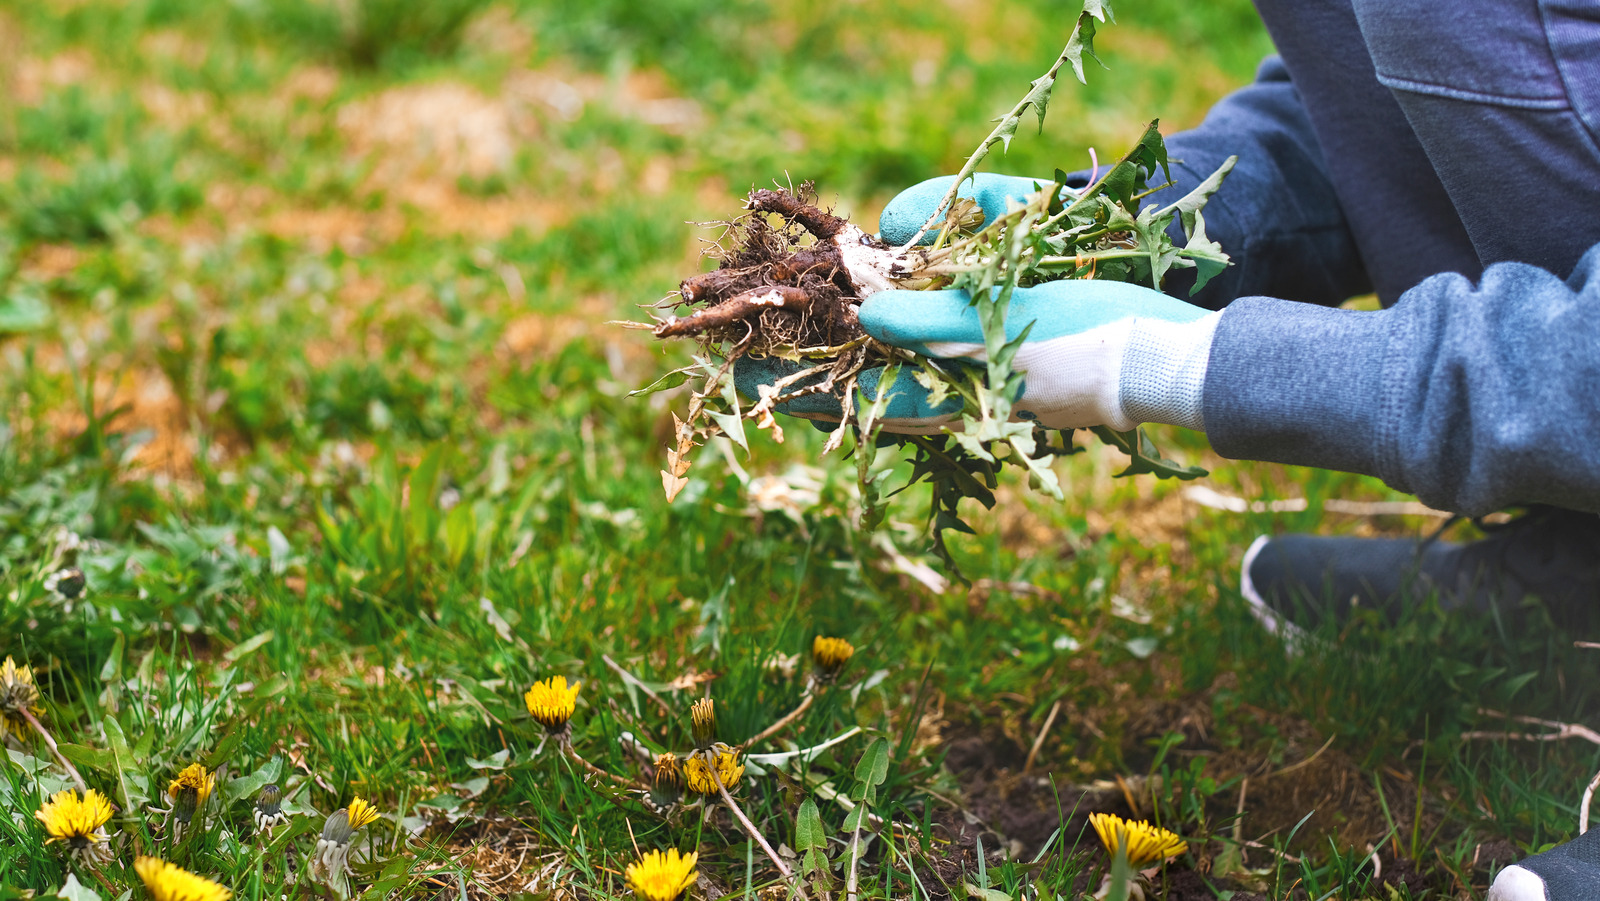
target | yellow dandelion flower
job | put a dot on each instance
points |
(166, 882)
(552, 702)
(75, 820)
(1143, 842)
(361, 813)
(19, 697)
(703, 722)
(662, 876)
(698, 769)
(190, 790)
(830, 654)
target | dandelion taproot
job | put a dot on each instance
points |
(19, 698)
(703, 769)
(662, 875)
(80, 823)
(1142, 842)
(167, 882)
(830, 654)
(552, 702)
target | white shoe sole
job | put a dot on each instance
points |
(1516, 884)
(1292, 636)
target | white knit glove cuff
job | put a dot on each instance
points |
(1164, 370)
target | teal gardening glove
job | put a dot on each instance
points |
(1099, 352)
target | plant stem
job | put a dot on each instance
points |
(51, 744)
(756, 836)
(1001, 132)
(1121, 876)
(850, 883)
(785, 722)
(575, 757)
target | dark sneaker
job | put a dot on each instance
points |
(1306, 580)
(1569, 872)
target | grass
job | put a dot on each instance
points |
(305, 341)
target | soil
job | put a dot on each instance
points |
(1290, 774)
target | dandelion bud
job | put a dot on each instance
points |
(830, 655)
(189, 791)
(668, 772)
(703, 720)
(67, 584)
(336, 830)
(269, 809)
(666, 787)
(18, 696)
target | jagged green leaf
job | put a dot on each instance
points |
(1190, 204)
(1208, 257)
(1144, 457)
(809, 833)
(1082, 41)
(671, 380)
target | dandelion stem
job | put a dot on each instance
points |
(575, 757)
(784, 723)
(756, 835)
(51, 744)
(104, 882)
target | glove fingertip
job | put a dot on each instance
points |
(906, 213)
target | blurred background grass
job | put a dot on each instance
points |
(303, 329)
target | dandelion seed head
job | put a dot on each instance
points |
(1143, 842)
(552, 702)
(662, 875)
(167, 882)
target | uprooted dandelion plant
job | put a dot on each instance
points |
(791, 276)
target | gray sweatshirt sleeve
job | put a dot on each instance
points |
(1471, 396)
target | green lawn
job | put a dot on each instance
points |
(306, 361)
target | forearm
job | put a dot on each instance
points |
(1277, 215)
(1472, 397)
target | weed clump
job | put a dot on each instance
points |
(790, 277)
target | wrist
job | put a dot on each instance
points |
(1162, 377)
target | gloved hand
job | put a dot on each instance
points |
(912, 207)
(1098, 353)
